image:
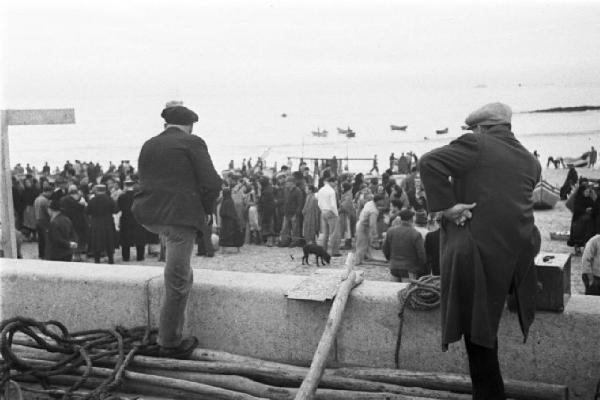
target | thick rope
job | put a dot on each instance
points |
(422, 294)
(80, 349)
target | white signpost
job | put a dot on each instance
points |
(20, 117)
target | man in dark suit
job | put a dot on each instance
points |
(62, 239)
(483, 183)
(178, 186)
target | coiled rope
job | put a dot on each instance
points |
(422, 294)
(80, 349)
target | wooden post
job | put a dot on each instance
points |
(19, 117)
(7, 215)
(317, 367)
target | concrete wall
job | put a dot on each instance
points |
(247, 313)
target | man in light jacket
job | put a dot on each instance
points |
(591, 266)
(327, 201)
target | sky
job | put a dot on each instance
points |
(63, 50)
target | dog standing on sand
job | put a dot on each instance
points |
(318, 251)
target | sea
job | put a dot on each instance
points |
(275, 122)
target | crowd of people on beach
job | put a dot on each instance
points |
(326, 205)
(258, 204)
(74, 213)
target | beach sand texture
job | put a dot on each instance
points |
(252, 258)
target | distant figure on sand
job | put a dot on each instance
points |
(593, 157)
(557, 162)
(375, 166)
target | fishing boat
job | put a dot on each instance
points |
(320, 133)
(441, 131)
(545, 196)
(398, 128)
(350, 134)
(577, 162)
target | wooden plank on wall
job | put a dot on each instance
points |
(41, 117)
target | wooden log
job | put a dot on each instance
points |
(454, 382)
(274, 376)
(317, 367)
(193, 387)
(461, 383)
(148, 391)
(428, 380)
(245, 385)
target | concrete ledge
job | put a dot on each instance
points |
(247, 313)
(81, 296)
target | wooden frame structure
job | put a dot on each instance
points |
(19, 117)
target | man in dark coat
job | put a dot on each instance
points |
(292, 206)
(73, 207)
(62, 239)
(178, 187)
(42, 217)
(483, 183)
(102, 225)
(131, 232)
(404, 248)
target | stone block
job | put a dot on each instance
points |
(80, 295)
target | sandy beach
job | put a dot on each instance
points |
(252, 258)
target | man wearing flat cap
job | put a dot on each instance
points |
(482, 183)
(178, 187)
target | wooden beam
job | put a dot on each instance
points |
(7, 215)
(41, 117)
(19, 117)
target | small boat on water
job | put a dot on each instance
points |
(545, 196)
(441, 131)
(320, 133)
(465, 127)
(348, 132)
(398, 127)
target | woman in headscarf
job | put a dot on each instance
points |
(266, 208)
(358, 181)
(312, 216)
(583, 220)
(232, 234)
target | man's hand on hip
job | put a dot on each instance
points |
(459, 213)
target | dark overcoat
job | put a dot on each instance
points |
(178, 181)
(102, 225)
(131, 233)
(60, 235)
(266, 207)
(493, 252)
(232, 234)
(75, 211)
